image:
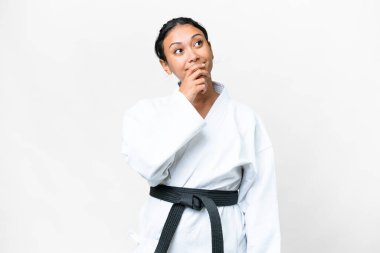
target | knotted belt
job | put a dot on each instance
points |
(195, 199)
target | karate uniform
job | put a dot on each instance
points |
(167, 142)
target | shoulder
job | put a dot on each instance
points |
(245, 113)
(252, 124)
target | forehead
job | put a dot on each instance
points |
(181, 33)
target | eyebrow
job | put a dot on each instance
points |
(181, 42)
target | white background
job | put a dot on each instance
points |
(69, 69)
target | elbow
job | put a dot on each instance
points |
(154, 178)
(154, 173)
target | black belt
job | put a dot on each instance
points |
(195, 199)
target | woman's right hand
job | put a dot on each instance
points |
(195, 81)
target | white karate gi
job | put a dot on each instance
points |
(168, 142)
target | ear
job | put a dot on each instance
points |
(165, 66)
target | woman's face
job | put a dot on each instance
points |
(183, 46)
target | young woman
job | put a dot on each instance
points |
(207, 158)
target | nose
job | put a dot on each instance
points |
(193, 56)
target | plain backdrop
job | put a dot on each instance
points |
(69, 69)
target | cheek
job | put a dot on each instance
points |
(179, 64)
(178, 68)
(209, 67)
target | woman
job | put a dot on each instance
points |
(207, 158)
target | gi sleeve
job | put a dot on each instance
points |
(259, 197)
(154, 130)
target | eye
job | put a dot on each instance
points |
(200, 42)
(178, 51)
